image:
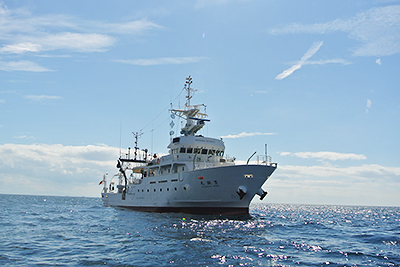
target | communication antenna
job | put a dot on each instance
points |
(136, 135)
(266, 150)
(189, 90)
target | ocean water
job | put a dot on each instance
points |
(71, 231)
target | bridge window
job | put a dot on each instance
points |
(204, 151)
(220, 153)
(182, 150)
(189, 150)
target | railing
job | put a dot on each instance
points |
(265, 160)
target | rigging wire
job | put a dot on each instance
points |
(161, 113)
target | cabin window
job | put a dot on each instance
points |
(189, 150)
(204, 151)
(183, 150)
(220, 153)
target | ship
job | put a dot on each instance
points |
(195, 177)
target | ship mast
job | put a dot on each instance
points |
(136, 135)
(193, 114)
(189, 90)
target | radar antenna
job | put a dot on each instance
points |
(195, 115)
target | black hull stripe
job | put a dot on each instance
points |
(194, 210)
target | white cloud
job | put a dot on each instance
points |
(244, 134)
(369, 104)
(66, 40)
(77, 41)
(131, 27)
(378, 61)
(377, 29)
(21, 48)
(22, 65)
(42, 97)
(326, 155)
(54, 169)
(24, 137)
(162, 61)
(310, 52)
(327, 61)
(26, 32)
(334, 185)
(360, 173)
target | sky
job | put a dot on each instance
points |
(317, 81)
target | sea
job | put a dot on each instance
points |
(80, 231)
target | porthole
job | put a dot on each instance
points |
(160, 189)
(176, 189)
(154, 190)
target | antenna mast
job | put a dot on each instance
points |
(195, 115)
(136, 135)
(189, 90)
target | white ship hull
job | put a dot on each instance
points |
(194, 177)
(203, 191)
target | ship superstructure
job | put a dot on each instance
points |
(194, 177)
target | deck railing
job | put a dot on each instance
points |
(265, 160)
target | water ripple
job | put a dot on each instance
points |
(67, 231)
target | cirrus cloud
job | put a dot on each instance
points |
(21, 32)
(325, 155)
(22, 65)
(42, 97)
(377, 29)
(161, 61)
(244, 134)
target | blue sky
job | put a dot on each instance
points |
(315, 80)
